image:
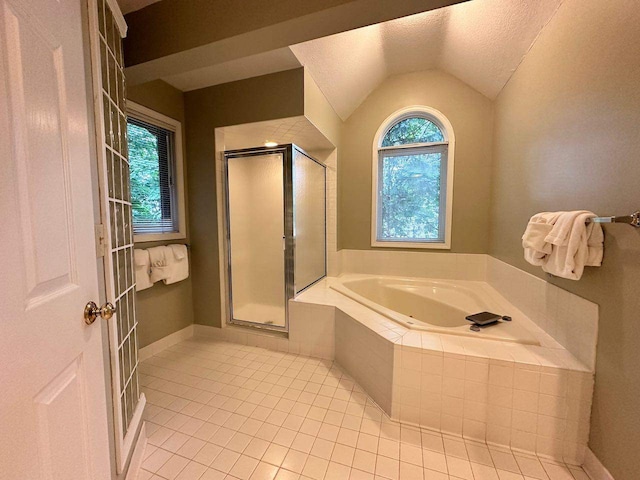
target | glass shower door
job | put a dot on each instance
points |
(309, 220)
(256, 222)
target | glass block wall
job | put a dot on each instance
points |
(120, 228)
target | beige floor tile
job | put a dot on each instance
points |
(243, 467)
(531, 467)
(212, 474)
(459, 468)
(411, 454)
(219, 410)
(387, 468)
(225, 460)
(156, 460)
(409, 471)
(265, 471)
(337, 471)
(504, 461)
(365, 461)
(294, 461)
(505, 475)
(315, 468)
(191, 448)
(193, 471)
(483, 472)
(275, 454)
(256, 448)
(207, 454)
(172, 467)
(434, 461)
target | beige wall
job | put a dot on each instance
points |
(278, 95)
(162, 309)
(470, 114)
(567, 137)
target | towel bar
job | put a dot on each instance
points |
(633, 219)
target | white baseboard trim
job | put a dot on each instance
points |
(138, 455)
(594, 468)
(168, 341)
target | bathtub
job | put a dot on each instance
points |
(437, 305)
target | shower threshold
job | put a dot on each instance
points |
(261, 313)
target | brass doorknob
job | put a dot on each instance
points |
(91, 312)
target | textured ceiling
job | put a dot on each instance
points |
(296, 130)
(481, 42)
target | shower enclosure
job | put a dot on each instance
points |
(275, 229)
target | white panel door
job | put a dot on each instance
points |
(53, 413)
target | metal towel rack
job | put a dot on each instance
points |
(633, 219)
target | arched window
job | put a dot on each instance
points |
(413, 180)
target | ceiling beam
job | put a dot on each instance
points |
(175, 36)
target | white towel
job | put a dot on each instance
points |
(536, 248)
(178, 262)
(564, 224)
(576, 244)
(141, 260)
(159, 266)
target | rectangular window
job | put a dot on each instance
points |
(155, 163)
(411, 195)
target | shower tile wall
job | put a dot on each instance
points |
(121, 246)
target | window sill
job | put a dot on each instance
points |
(158, 237)
(420, 245)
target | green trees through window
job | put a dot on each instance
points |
(150, 165)
(145, 173)
(411, 196)
(412, 130)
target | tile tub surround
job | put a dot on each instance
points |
(367, 357)
(568, 318)
(571, 320)
(528, 407)
(459, 266)
(226, 411)
(529, 398)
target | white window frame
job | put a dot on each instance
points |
(445, 126)
(145, 114)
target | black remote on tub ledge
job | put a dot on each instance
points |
(485, 319)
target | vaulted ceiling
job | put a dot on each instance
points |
(481, 42)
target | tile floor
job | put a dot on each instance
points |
(219, 410)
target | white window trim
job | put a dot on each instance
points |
(447, 130)
(155, 118)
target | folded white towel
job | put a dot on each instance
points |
(141, 260)
(179, 251)
(178, 262)
(141, 257)
(576, 244)
(536, 247)
(564, 225)
(159, 266)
